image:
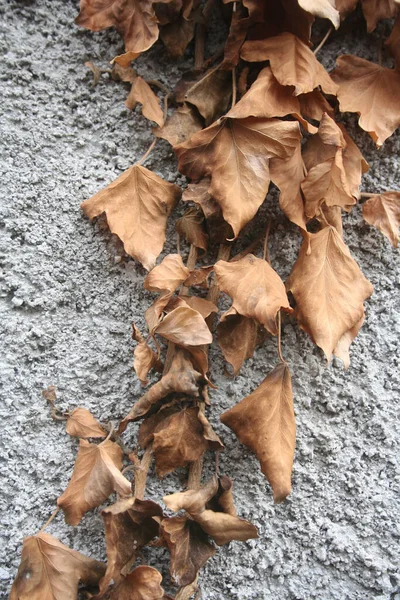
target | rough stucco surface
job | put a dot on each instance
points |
(67, 304)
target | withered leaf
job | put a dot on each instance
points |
(236, 153)
(237, 337)
(292, 63)
(329, 289)
(199, 277)
(191, 227)
(287, 175)
(375, 10)
(134, 19)
(198, 193)
(393, 42)
(203, 306)
(383, 211)
(313, 105)
(342, 347)
(211, 94)
(237, 34)
(322, 8)
(265, 423)
(141, 92)
(51, 571)
(189, 548)
(180, 126)
(96, 475)
(372, 91)
(168, 275)
(81, 423)
(145, 359)
(176, 36)
(143, 583)
(256, 289)
(184, 326)
(137, 205)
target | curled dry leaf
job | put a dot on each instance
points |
(137, 205)
(393, 42)
(180, 126)
(292, 63)
(372, 91)
(141, 92)
(145, 359)
(191, 227)
(256, 289)
(265, 423)
(198, 193)
(81, 423)
(167, 276)
(51, 571)
(235, 153)
(210, 94)
(342, 348)
(203, 306)
(329, 289)
(199, 277)
(134, 19)
(184, 326)
(287, 175)
(383, 211)
(237, 337)
(322, 8)
(143, 583)
(375, 10)
(313, 105)
(96, 475)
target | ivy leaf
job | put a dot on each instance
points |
(49, 570)
(81, 423)
(288, 174)
(142, 92)
(143, 583)
(383, 211)
(167, 276)
(329, 289)
(371, 91)
(393, 42)
(180, 126)
(265, 423)
(375, 10)
(211, 94)
(322, 8)
(136, 205)
(97, 473)
(184, 326)
(343, 346)
(191, 227)
(237, 338)
(145, 359)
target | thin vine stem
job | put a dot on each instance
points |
(322, 42)
(280, 338)
(53, 515)
(265, 250)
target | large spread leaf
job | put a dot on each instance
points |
(134, 19)
(235, 153)
(51, 571)
(96, 475)
(256, 289)
(81, 423)
(383, 211)
(292, 63)
(264, 421)
(372, 91)
(137, 205)
(329, 289)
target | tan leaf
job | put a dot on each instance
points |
(329, 289)
(137, 205)
(237, 337)
(133, 19)
(265, 423)
(191, 227)
(322, 8)
(168, 275)
(237, 34)
(51, 571)
(371, 91)
(393, 42)
(203, 306)
(211, 94)
(256, 290)
(342, 347)
(345, 7)
(189, 548)
(143, 583)
(124, 60)
(375, 10)
(176, 36)
(199, 277)
(383, 211)
(331, 215)
(291, 61)
(198, 193)
(142, 92)
(81, 423)
(283, 15)
(145, 359)
(180, 126)
(96, 475)
(287, 174)
(313, 105)
(236, 153)
(184, 326)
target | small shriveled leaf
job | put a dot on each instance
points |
(292, 63)
(322, 8)
(96, 475)
(313, 105)
(203, 306)
(198, 193)
(199, 277)
(137, 205)
(211, 94)
(256, 289)
(329, 289)
(237, 337)
(141, 92)
(265, 423)
(184, 326)
(383, 211)
(191, 227)
(51, 571)
(145, 359)
(180, 126)
(375, 10)
(176, 36)
(81, 423)
(143, 583)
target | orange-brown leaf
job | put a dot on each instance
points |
(180, 126)
(393, 42)
(145, 359)
(237, 337)
(168, 275)
(142, 92)
(342, 348)
(287, 174)
(143, 583)
(322, 8)
(137, 205)
(211, 94)
(383, 211)
(81, 423)
(191, 227)
(184, 326)
(375, 10)
(96, 475)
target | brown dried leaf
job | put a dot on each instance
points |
(292, 63)
(322, 8)
(198, 193)
(329, 289)
(167, 276)
(176, 36)
(124, 60)
(203, 306)
(142, 92)
(97, 473)
(342, 347)
(383, 211)
(210, 94)
(287, 175)
(199, 277)
(191, 227)
(51, 571)
(145, 359)
(184, 326)
(393, 42)
(313, 105)
(180, 126)
(237, 34)
(134, 19)
(375, 10)
(237, 337)
(143, 583)
(265, 423)
(236, 153)
(137, 205)
(256, 290)
(81, 423)
(371, 91)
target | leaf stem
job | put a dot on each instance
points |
(266, 251)
(322, 42)
(366, 195)
(280, 338)
(197, 83)
(145, 155)
(50, 519)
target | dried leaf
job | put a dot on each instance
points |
(371, 91)
(236, 153)
(375, 10)
(237, 34)
(134, 19)
(142, 92)
(329, 289)
(198, 193)
(167, 276)
(383, 211)
(256, 289)
(180, 126)
(124, 60)
(96, 475)
(292, 63)
(287, 175)
(143, 583)
(145, 360)
(393, 42)
(184, 326)
(237, 337)
(176, 36)
(203, 306)
(210, 94)
(313, 105)
(81, 423)
(265, 423)
(284, 15)
(51, 571)
(342, 347)
(191, 227)
(137, 205)
(199, 277)
(322, 8)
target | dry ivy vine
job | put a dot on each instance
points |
(238, 123)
